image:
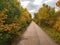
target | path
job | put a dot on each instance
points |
(34, 35)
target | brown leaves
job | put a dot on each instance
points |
(58, 3)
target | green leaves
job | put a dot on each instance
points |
(13, 7)
(49, 20)
(13, 20)
(45, 15)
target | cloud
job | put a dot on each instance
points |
(44, 1)
(26, 3)
(28, 0)
(32, 6)
(57, 8)
(51, 3)
(37, 2)
(32, 13)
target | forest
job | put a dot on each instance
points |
(13, 22)
(49, 20)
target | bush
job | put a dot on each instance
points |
(8, 32)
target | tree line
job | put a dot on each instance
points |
(49, 20)
(14, 20)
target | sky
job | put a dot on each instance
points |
(34, 5)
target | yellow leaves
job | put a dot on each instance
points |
(6, 28)
(44, 16)
(2, 16)
(22, 19)
(4, 10)
(26, 13)
(43, 13)
(10, 28)
(57, 25)
(51, 22)
(17, 22)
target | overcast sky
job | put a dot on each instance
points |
(34, 5)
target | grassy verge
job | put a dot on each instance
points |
(53, 33)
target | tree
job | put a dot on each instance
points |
(58, 3)
(13, 7)
(45, 16)
(14, 19)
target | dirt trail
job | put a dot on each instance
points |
(34, 35)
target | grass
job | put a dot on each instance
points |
(53, 33)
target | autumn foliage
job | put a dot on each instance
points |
(14, 20)
(49, 20)
(58, 3)
(46, 16)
